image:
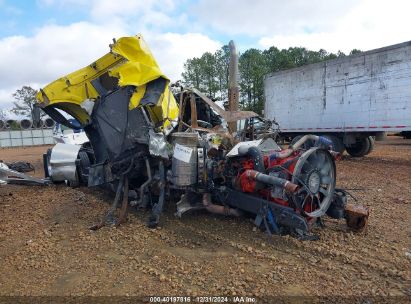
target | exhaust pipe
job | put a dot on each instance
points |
(255, 154)
(233, 87)
(25, 124)
(319, 140)
(48, 123)
(271, 180)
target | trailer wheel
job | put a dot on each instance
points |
(338, 145)
(360, 148)
(372, 144)
(406, 134)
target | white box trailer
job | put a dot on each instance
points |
(349, 99)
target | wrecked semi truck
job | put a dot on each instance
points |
(150, 145)
(350, 100)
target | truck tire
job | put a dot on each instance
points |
(46, 163)
(47, 167)
(360, 148)
(372, 144)
(83, 167)
(74, 183)
(338, 144)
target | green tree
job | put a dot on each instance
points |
(208, 73)
(355, 51)
(192, 72)
(25, 98)
(340, 54)
(222, 58)
(252, 66)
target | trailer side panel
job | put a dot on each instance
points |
(368, 92)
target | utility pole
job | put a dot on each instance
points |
(233, 88)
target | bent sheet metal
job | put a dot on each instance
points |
(129, 63)
(8, 176)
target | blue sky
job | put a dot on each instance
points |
(24, 17)
(41, 40)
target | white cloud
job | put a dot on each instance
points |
(266, 17)
(58, 50)
(171, 50)
(371, 24)
(5, 96)
(52, 52)
(102, 9)
(127, 12)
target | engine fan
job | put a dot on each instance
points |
(315, 174)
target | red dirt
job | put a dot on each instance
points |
(46, 247)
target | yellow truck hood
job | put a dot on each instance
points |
(131, 62)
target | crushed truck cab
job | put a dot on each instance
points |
(128, 64)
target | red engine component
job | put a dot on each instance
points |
(278, 177)
(248, 183)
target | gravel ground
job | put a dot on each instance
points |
(46, 247)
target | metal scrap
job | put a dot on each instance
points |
(356, 216)
(9, 176)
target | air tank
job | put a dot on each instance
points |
(184, 162)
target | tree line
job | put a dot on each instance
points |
(209, 73)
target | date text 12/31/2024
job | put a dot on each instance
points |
(202, 299)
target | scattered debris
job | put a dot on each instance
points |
(356, 216)
(20, 166)
(9, 176)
